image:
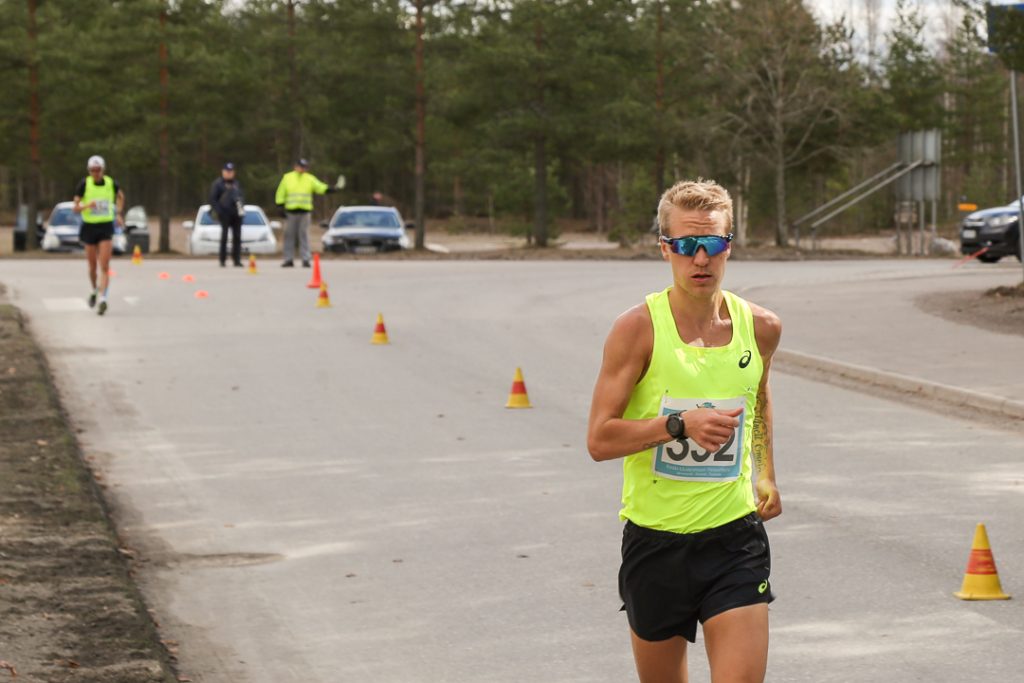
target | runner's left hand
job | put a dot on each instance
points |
(769, 504)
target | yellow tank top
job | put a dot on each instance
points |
(678, 486)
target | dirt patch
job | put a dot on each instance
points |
(1000, 309)
(69, 610)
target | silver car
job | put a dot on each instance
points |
(64, 225)
(257, 232)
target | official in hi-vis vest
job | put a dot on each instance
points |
(97, 198)
(682, 401)
(295, 197)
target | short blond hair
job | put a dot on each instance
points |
(699, 195)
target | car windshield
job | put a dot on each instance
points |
(366, 219)
(64, 216)
(252, 217)
(136, 214)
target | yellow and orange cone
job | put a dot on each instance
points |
(380, 334)
(252, 264)
(981, 580)
(137, 256)
(323, 300)
(517, 397)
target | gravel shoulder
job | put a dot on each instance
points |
(69, 610)
(999, 310)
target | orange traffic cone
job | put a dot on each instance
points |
(323, 300)
(981, 580)
(314, 281)
(202, 294)
(380, 335)
(517, 397)
(137, 256)
(252, 264)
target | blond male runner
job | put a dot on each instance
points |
(682, 397)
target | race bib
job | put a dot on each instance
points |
(684, 460)
(102, 207)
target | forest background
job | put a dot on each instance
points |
(509, 115)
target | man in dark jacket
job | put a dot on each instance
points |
(227, 203)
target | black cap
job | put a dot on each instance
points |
(302, 162)
(229, 166)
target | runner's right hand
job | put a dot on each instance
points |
(710, 428)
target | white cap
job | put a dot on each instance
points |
(94, 161)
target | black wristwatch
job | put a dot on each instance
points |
(675, 426)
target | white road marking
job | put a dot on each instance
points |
(64, 305)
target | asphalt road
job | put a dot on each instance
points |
(317, 509)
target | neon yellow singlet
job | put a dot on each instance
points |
(678, 486)
(105, 198)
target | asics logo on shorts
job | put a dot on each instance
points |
(763, 587)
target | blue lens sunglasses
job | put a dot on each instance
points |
(688, 246)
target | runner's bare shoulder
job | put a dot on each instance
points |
(631, 340)
(767, 329)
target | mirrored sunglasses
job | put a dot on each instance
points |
(688, 246)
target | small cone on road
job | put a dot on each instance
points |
(164, 276)
(202, 294)
(323, 300)
(517, 397)
(981, 580)
(314, 281)
(252, 264)
(188, 278)
(380, 334)
(137, 256)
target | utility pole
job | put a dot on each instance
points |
(421, 117)
(34, 170)
(1016, 160)
(165, 161)
(659, 102)
(293, 85)
(540, 164)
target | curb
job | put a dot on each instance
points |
(862, 377)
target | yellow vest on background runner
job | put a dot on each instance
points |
(296, 191)
(105, 200)
(679, 486)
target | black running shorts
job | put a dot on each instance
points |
(668, 581)
(94, 233)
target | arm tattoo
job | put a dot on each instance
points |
(761, 443)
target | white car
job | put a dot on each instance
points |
(361, 229)
(257, 232)
(63, 226)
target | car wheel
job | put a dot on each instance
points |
(987, 258)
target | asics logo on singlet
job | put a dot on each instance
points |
(763, 587)
(745, 359)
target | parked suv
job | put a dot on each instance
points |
(997, 228)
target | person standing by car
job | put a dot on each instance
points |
(97, 198)
(227, 202)
(682, 398)
(295, 197)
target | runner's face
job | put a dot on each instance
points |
(96, 172)
(699, 274)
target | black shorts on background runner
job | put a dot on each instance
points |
(94, 233)
(668, 581)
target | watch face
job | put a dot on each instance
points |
(674, 425)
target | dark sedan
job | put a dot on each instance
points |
(996, 230)
(361, 229)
